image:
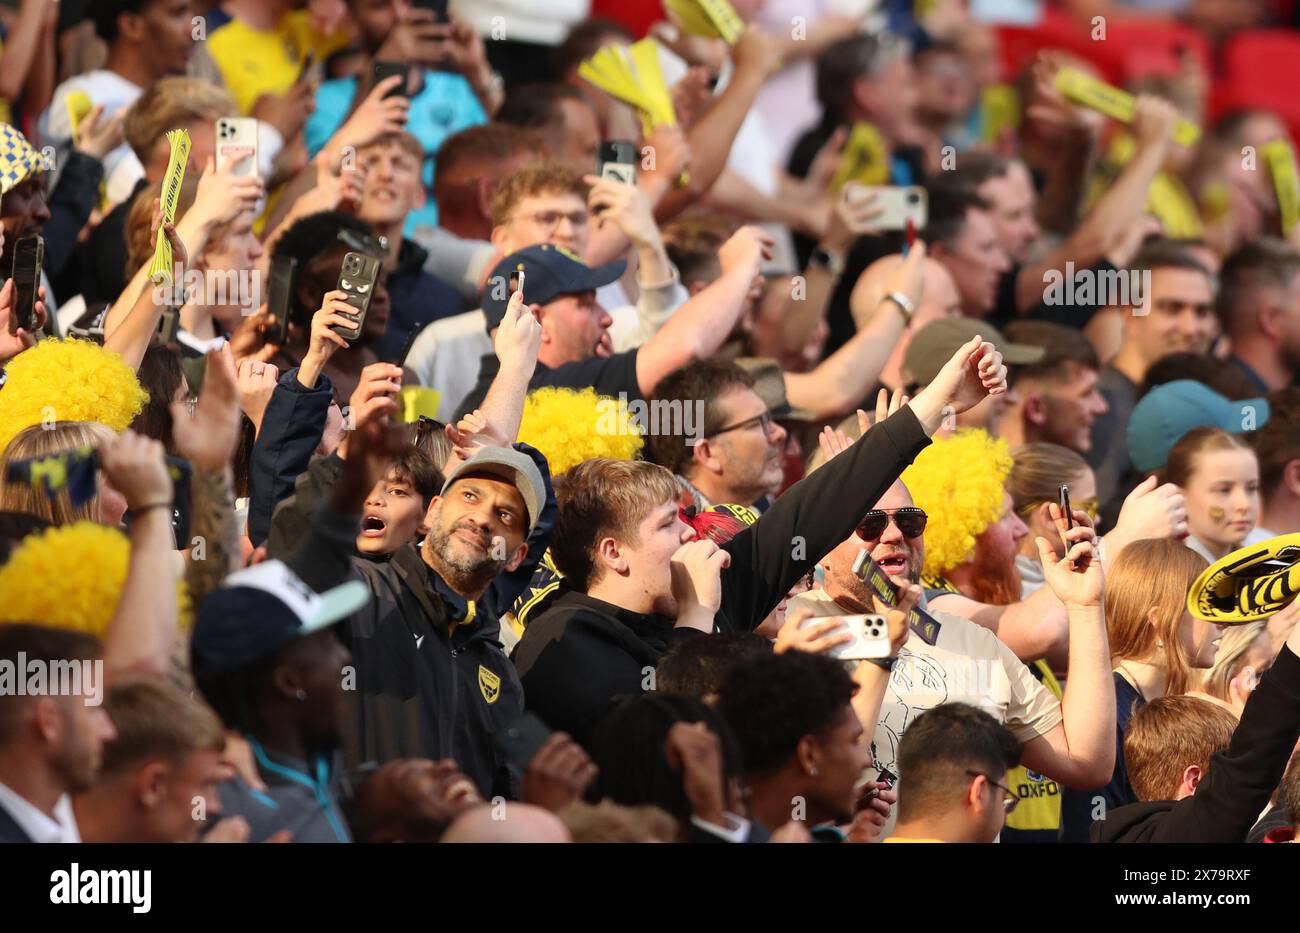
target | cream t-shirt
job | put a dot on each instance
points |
(967, 664)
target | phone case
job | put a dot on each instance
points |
(237, 145)
(29, 256)
(279, 292)
(616, 159)
(357, 278)
(898, 205)
(870, 637)
(383, 70)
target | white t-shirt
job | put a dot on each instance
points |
(1256, 535)
(121, 168)
(967, 664)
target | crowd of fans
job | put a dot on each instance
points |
(558, 543)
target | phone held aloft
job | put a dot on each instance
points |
(237, 146)
(357, 278)
(29, 256)
(616, 159)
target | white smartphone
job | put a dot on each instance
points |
(870, 637)
(237, 145)
(897, 205)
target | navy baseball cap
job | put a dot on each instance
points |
(549, 272)
(1167, 412)
(257, 611)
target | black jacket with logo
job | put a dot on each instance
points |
(1239, 780)
(582, 652)
(423, 688)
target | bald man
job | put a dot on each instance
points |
(507, 822)
(939, 298)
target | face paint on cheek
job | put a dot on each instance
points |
(1218, 515)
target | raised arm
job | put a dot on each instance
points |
(1080, 751)
(144, 626)
(843, 380)
(1117, 210)
(699, 327)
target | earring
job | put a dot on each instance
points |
(812, 772)
(301, 694)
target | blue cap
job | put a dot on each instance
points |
(549, 272)
(1169, 411)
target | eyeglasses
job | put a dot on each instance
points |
(1010, 801)
(763, 420)
(551, 219)
(910, 521)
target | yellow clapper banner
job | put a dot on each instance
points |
(1081, 88)
(713, 19)
(1250, 584)
(1280, 158)
(160, 271)
(864, 160)
(632, 74)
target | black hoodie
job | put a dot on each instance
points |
(1239, 780)
(582, 652)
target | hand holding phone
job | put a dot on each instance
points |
(616, 159)
(29, 256)
(357, 278)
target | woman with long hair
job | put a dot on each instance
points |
(1155, 646)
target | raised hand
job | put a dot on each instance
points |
(815, 638)
(133, 465)
(692, 749)
(1076, 578)
(210, 438)
(559, 774)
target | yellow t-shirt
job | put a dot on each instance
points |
(253, 63)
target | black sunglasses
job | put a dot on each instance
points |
(910, 521)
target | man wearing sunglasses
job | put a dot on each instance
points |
(1069, 740)
(956, 758)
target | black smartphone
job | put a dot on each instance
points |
(168, 324)
(1064, 502)
(308, 63)
(439, 8)
(616, 159)
(522, 739)
(29, 254)
(284, 271)
(357, 278)
(381, 70)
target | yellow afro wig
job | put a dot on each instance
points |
(958, 481)
(70, 577)
(572, 425)
(68, 380)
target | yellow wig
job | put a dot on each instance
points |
(68, 380)
(959, 482)
(70, 577)
(572, 425)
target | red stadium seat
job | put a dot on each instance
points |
(1261, 70)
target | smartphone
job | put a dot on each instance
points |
(237, 145)
(381, 70)
(1064, 502)
(899, 205)
(29, 255)
(870, 637)
(284, 271)
(522, 739)
(519, 283)
(168, 323)
(308, 63)
(616, 159)
(439, 8)
(357, 278)
(926, 626)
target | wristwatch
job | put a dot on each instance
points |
(832, 262)
(904, 305)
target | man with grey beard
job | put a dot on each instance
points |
(428, 677)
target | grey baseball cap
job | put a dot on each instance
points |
(517, 469)
(934, 344)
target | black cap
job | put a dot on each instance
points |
(549, 272)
